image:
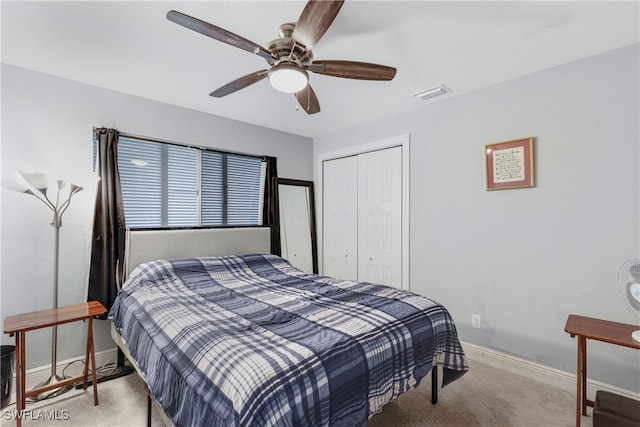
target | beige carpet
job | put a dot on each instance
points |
(485, 396)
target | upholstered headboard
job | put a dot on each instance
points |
(149, 245)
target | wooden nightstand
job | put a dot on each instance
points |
(600, 330)
(21, 323)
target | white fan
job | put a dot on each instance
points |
(629, 285)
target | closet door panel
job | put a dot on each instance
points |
(340, 213)
(380, 217)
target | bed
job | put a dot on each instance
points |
(226, 334)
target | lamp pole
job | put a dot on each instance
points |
(54, 378)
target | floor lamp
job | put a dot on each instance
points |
(36, 184)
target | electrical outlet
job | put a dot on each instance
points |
(476, 321)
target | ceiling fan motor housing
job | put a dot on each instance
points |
(286, 49)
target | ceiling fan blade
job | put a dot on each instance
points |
(218, 33)
(353, 70)
(239, 83)
(308, 100)
(315, 19)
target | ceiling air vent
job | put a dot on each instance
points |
(432, 92)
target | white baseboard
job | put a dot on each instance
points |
(548, 375)
(40, 374)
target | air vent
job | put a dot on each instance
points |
(432, 92)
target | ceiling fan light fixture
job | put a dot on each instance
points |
(288, 77)
(431, 92)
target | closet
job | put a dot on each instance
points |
(362, 216)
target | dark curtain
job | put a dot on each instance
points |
(269, 208)
(107, 245)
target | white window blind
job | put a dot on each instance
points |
(167, 185)
(243, 183)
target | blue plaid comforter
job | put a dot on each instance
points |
(253, 341)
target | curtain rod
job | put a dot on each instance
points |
(180, 144)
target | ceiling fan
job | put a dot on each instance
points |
(290, 56)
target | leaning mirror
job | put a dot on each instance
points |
(295, 223)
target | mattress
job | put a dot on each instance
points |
(253, 341)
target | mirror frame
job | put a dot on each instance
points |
(277, 249)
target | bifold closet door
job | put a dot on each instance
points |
(340, 218)
(380, 217)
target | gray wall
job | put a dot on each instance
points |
(47, 126)
(524, 259)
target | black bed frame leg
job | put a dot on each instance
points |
(149, 409)
(434, 385)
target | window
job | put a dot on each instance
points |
(167, 185)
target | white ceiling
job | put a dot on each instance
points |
(131, 47)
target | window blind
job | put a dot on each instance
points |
(166, 185)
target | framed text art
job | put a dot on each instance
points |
(509, 164)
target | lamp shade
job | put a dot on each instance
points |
(38, 180)
(73, 189)
(22, 181)
(288, 77)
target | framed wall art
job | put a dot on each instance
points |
(509, 164)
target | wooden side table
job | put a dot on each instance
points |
(600, 330)
(21, 323)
